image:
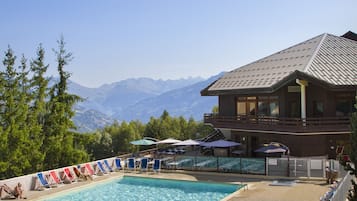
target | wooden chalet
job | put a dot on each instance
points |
(301, 97)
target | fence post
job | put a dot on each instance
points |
(240, 164)
(266, 165)
(195, 161)
(324, 167)
(295, 167)
(308, 168)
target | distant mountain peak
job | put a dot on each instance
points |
(114, 99)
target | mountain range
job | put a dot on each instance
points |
(139, 99)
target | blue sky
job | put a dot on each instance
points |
(113, 40)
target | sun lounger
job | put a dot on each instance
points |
(157, 165)
(42, 181)
(77, 172)
(131, 164)
(107, 165)
(67, 172)
(144, 164)
(55, 178)
(89, 169)
(82, 176)
(118, 166)
(101, 168)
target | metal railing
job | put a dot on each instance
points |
(342, 189)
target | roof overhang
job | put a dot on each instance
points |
(285, 81)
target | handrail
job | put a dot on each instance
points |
(343, 188)
(279, 123)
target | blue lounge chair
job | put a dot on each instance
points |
(101, 167)
(118, 164)
(157, 165)
(144, 164)
(43, 181)
(108, 166)
(131, 164)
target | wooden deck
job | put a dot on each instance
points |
(295, 125)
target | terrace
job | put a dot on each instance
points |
(279, 124)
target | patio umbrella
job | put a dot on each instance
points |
(270, 148)
(169, 141)
(143, 142)
(221, 143)
(187, 143)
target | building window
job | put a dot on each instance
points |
(246, 106)
(251, 107)
(268, 106)
(274, 108)
(344, 104)
(262, 106)
(343, 108)
(241, 108)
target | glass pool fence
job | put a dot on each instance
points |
(220, 164)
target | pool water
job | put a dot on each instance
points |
(147, 189)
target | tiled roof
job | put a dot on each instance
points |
(335, 61)
(326, 57)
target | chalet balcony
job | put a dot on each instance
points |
(279, 124)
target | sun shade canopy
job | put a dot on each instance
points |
(143, 142)
(271, 148)
(221, 143)
(169, 141)
(187, 143)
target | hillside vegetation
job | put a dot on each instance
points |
(37, 132)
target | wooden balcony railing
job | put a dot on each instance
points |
(266, 123)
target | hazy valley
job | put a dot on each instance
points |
(139, 99)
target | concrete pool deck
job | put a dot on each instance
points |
(259, 188)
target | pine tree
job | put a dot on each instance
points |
(59, 143)
(4, 162)
(14, 116)
(39, 93)
(23, 109)
(9, 121)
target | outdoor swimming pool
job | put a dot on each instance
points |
(146, 189)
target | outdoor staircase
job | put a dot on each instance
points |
(215, 135)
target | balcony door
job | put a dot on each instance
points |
(294, 109)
